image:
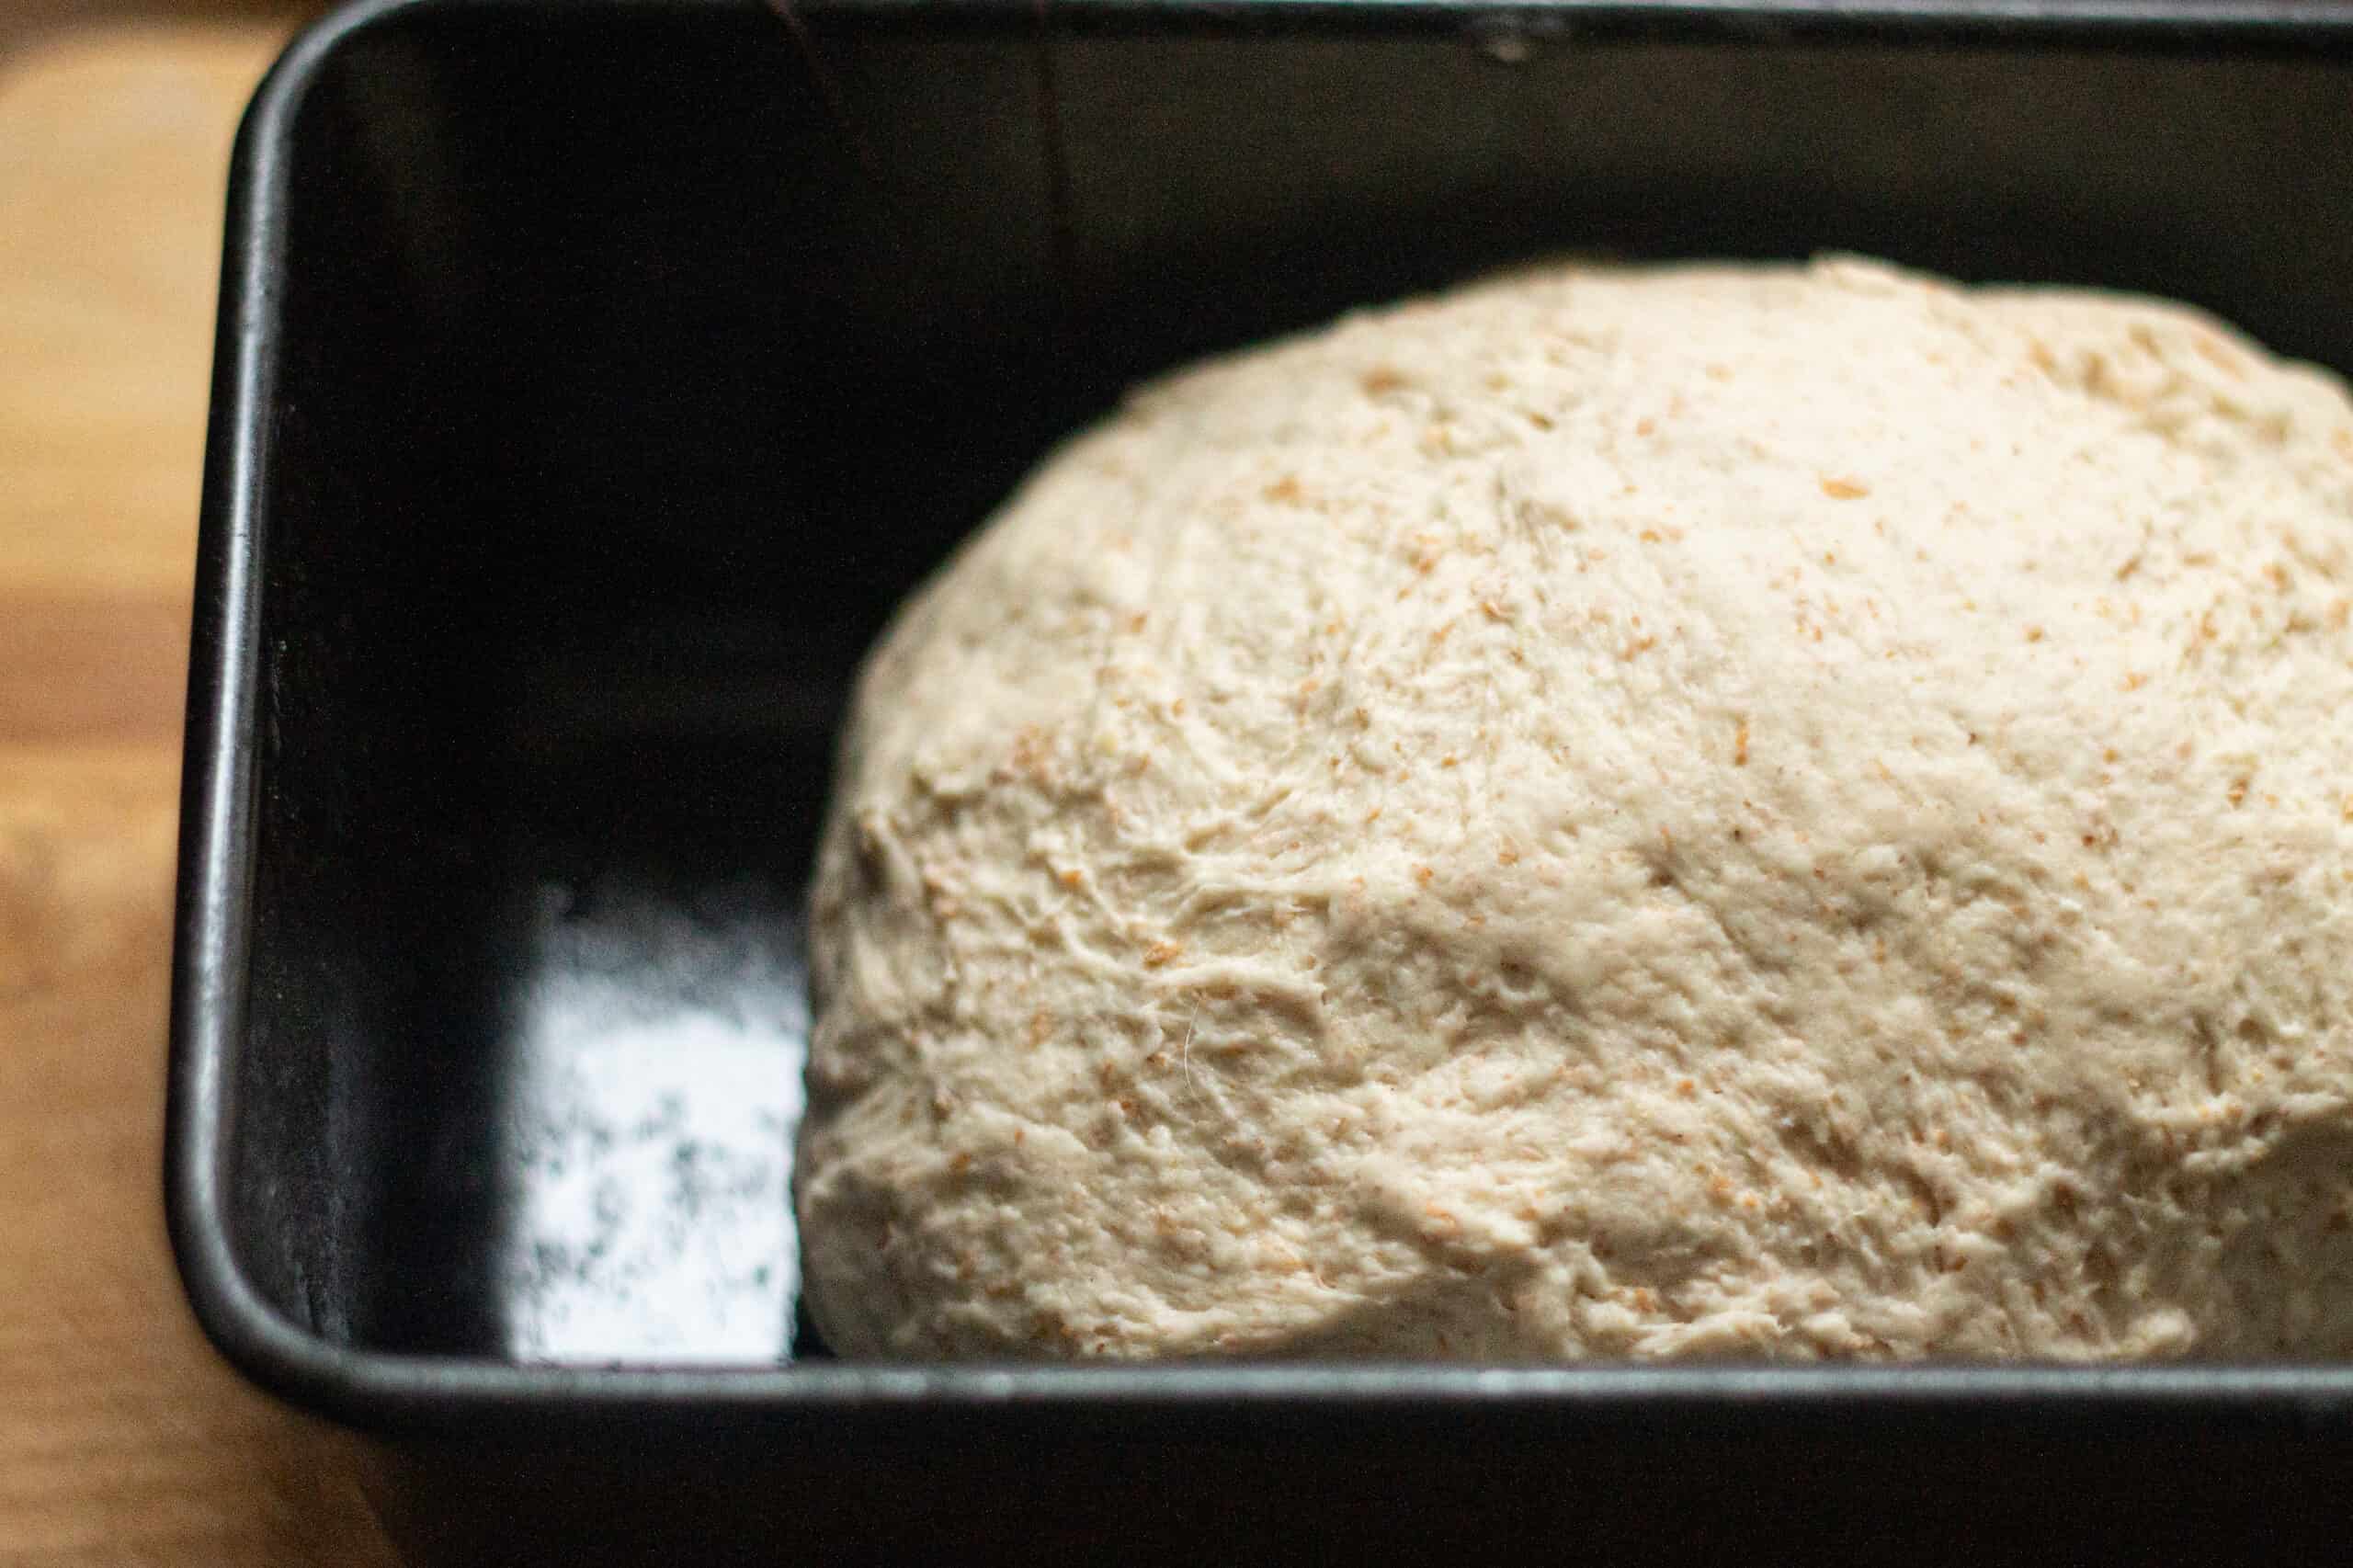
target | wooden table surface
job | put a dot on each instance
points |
(122, 1439)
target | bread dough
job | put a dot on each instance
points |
(1768, 812)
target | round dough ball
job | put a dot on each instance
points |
(1783, 810)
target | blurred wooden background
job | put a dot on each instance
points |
(122, 1439)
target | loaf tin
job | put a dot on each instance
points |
(593, 378)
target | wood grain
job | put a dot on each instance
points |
(123, 1439)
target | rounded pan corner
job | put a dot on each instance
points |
(250, 1335)
(269, 113)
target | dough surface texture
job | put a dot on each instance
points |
(1769, 811)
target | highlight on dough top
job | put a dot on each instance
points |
(1756, 811)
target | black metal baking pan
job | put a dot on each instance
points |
(594, 375)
